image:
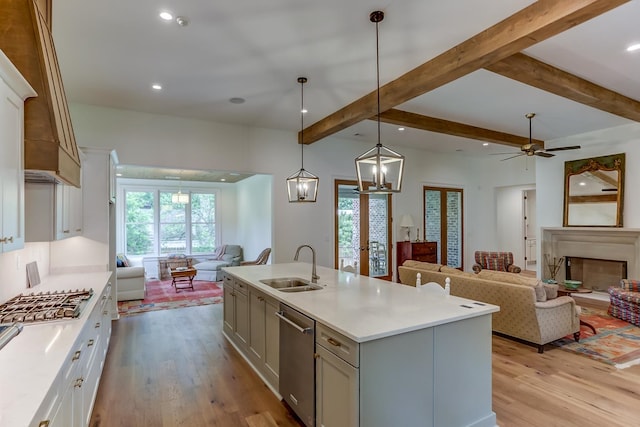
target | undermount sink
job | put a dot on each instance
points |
(291, 284)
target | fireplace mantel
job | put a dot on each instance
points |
(616, 244)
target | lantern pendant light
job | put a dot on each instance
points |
(381, 165)
(302, 186)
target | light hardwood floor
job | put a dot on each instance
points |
(174, 368)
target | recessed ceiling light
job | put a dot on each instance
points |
(223, 179)
(484, 144)
(633, 47)
(156, 86)
(236, 100)
(304, 111)
(183, 21)
(167, 16)
(401, 129)
(583, 183)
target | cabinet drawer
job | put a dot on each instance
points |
(423, 249)
(343, 347)
(240, 286)
(228, 281)
(426, 258)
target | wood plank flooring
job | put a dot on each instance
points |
(174, 368)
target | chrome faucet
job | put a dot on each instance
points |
(314, 276)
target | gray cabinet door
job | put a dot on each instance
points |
(272, 341)
(229, 312)
(241, 330)
(257, 327)
(336, 391)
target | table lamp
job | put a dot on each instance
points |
(407, 222)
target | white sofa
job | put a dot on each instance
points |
(131, 283)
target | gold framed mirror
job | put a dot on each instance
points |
(594, 191)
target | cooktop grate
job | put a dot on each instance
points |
(44, 306)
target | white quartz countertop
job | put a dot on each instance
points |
(30, 362)
(360, 307)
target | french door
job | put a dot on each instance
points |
(443, 219)
(363, 230)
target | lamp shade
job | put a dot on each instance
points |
(406, 221)
(302, 187)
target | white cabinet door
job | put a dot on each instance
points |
(11, 170)
(336, 391)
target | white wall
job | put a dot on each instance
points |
(255, 219)
(153, 140)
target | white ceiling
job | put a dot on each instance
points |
(110, 52)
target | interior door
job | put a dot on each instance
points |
(363, 230)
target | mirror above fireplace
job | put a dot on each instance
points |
(594, 191)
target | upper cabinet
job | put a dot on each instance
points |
(49, 143)
(14, 89)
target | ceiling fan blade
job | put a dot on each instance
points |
(504, 154)
(572, 147)
(512, 157)
(543, 154)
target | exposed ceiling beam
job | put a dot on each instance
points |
(432, 124)
(537, 22)
(532, 72)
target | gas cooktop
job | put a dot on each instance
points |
(44, 306)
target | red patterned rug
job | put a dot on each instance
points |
(161, 295)
(616, 343)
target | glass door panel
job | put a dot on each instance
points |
(443, 216)
(363, 237)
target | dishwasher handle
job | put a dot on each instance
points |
(299, 328)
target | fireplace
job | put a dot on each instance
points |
(595, 274)
(614, 247)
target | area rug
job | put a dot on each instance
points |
(617, 342)
(162, 296)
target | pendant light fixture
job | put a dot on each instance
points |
(180, 197)
(382, 166)
(302, 186)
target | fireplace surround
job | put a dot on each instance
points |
(596, 243)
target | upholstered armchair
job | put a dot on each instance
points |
(625, 301)
(498, 261)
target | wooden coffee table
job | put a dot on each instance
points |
(183, 276)
(564, 291)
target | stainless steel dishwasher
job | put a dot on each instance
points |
(297, 363)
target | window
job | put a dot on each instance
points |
(154, 225)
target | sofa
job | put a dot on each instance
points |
(131, 283)
(497, 261)
(625, 301)
(530, 311)
(211, 267)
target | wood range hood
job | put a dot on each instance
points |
(50, 149)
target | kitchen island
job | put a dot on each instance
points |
(404, 356)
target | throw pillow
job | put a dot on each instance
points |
(495, 264)
(450, 270)
(219, 252)
(551, 290)
(422, 265)
(123, 259)
(630, 285)
(541, 295)
(119, 262)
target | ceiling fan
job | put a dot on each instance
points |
(531, 149)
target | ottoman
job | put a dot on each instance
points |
(625, 301)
